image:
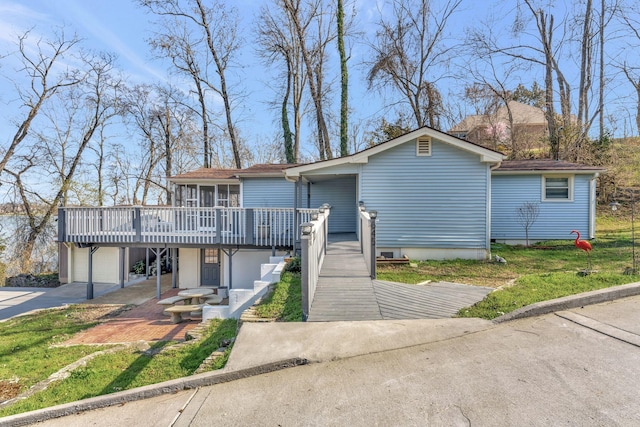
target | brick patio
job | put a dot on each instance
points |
(145, 322)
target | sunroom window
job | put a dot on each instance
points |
(557, 189)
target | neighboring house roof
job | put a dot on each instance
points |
(486, 154)
(522, 114)
(544, 165)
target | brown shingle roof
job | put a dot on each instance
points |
(207, 173)
(255, 170)
(265, 168)
(544, 165)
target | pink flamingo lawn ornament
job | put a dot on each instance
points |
(584, 245)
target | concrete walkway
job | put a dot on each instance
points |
(18, 301)
(345, 291)
(587, 357)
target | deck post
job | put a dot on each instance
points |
(360, 237)
(137, 225)
(249, 227)
(158, 272)
(373, 215)
(296, 217)
(146, 273)
(304, 275)
(90, 273)
(230, 254)
(174, 267)
(122, 266)
(218, 238)
(62, 225)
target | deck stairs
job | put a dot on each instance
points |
(241, 299)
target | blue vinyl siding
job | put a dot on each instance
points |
(437, 201)
(268, 193)
(556, 219)
(340, 193)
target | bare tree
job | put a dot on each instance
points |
(411, 54)
(629, 16)
(279, 44)
(88, 106)
(312, 25)
(344, 82)
(540, 40)
(202, 40)
(526, 215)
(45, 82)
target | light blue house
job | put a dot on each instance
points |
(436, 197)
(432, 192)
(564, 193)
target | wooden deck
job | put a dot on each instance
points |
(345, 292)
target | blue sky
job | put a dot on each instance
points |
(121, 27)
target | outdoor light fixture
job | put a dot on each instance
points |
(614, 207)
(307, 228)
(314, 216)
(373, 214)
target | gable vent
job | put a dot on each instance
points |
(423, 146)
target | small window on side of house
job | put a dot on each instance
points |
(423, 146)
(557, 189)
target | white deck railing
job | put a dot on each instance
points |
(273, 227)
(313, 251)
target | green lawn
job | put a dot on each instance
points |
(541, 272)
(28, 355)
(285, 302)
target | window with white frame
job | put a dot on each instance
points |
(557, 188)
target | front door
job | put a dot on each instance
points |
(210, 267)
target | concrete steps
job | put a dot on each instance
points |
(242, 299)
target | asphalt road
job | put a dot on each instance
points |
(543, 371)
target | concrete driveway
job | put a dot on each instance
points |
(574, 367)
(18, 301)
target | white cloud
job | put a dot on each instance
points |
(90, 24)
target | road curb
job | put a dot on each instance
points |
(153, 390)
(572, 301)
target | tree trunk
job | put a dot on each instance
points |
(168, 152)
(220, 69)
(344, 84)
(286, 129)
(324, 148)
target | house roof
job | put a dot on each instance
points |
(522, 114)
(545, 165)
(206, 173)
(486, 154)
(262, 170)
(265, 169)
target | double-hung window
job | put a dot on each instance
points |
(557, 188)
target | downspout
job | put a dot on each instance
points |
(489, 202)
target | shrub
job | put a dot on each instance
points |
(138, 267)
(293, 266)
